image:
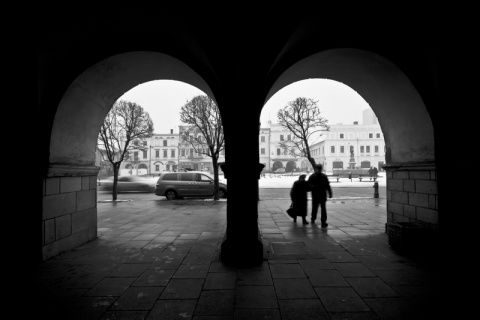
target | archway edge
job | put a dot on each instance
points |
(89, 98)
(401, 112)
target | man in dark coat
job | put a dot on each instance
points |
(298, 194)
(319, 186)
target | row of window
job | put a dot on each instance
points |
(157, 154)
(371, 135)
(280, 151)
(191, 152)
(363, 149)
(282, 138)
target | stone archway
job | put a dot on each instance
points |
(79, 115)
(277, 165)
(290, 166)
(403, 117)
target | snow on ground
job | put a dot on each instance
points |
(286, 181)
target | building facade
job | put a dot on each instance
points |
(157, 154)
(189, 158)
(264, 148)
(279, 157)
(342, 147)
(354, 146)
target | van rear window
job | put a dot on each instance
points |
(170, 176)
(187, 176)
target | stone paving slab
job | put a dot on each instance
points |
(162, 262)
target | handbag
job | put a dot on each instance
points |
(291, 212)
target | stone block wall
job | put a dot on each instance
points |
(69, 213)
(412, 195)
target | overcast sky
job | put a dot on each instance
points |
(163, 99)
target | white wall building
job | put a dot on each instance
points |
(279, 157)
(364, 141)
(158, 153)
(264, 148)
(163, 150)
(189, 158)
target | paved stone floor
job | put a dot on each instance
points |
(160, 260)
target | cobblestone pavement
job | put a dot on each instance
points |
(160, 260)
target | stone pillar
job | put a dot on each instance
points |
(69, 213)
(412, 194)
(242, 245)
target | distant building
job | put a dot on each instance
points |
(264, 148)
(157, 154)
(344, 146)
(352, 146)
(279, 157)
(194, 160)
(163, 152)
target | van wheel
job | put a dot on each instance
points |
(222, 194)
(171, 194)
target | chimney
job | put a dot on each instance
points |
(355, 122)
(171, 131)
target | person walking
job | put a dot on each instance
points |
(319, 186)
(298, 195)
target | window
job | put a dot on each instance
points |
(170, 176)
(332, 149)
(157, 153)
(188, 176)
(370, 135)
(172, 153)
(165, 153)
(337, 164)
(204, 178)
(289, 137)
(191, 153)
(262, 138)
(157, 167)
(378, 135)
(362, 149)
(281, 137)
(183, 152)
(376, 149)
(144, 143)
(135, 155)
(278, 152)
(262, 151)
(342, 149)
(144, 154)
(368, 149)
(165, 143)
(341, 137)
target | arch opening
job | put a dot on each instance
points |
(76, 124)
(402, 116)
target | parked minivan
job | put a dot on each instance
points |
(175, 185)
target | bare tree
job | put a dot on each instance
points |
(204, 130)
(303, 119)
(122, 131)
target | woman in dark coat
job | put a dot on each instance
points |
(298, 194)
